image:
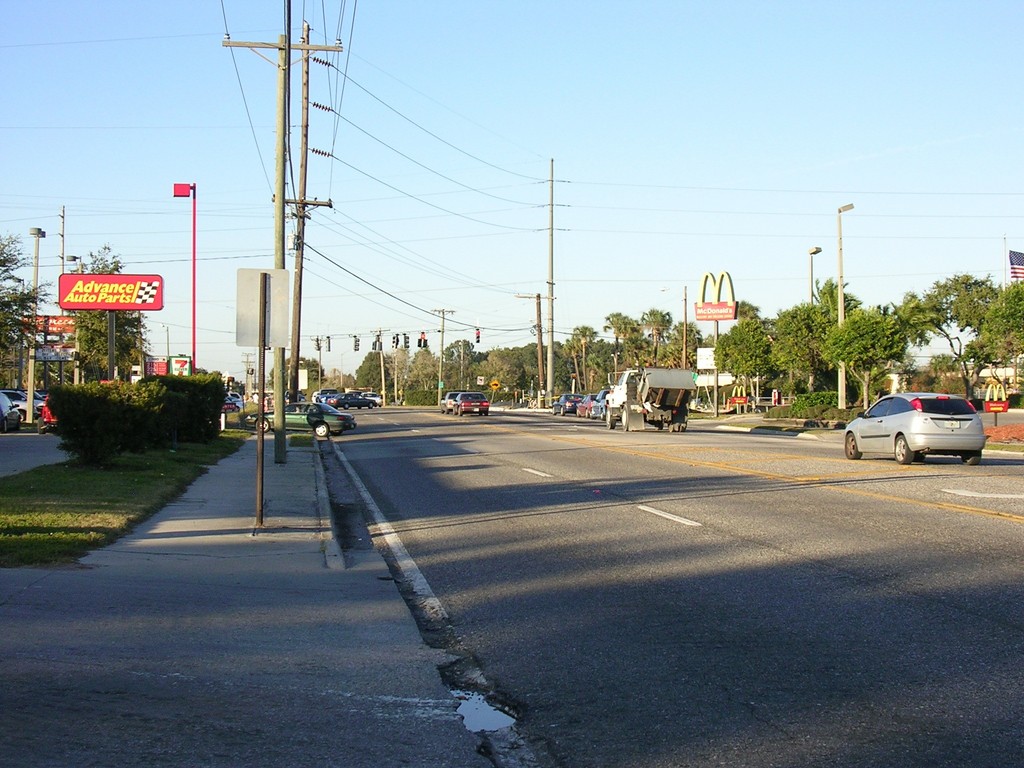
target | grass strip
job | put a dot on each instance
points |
(58, 513)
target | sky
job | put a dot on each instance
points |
(682, 138)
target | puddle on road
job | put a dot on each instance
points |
(478, 715)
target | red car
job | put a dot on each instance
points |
(584, 406)
(471, 402)
(47, 421)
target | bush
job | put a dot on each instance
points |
(421, 397)
(93, 420)
(199, 420)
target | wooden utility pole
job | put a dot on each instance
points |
(550, 393)
(301, 215)
(284, 48)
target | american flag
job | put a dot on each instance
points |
(1016, 265)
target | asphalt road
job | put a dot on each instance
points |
(26, 449)
(716, 598)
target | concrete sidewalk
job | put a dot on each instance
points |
(196, 641)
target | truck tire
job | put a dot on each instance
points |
(609, 420)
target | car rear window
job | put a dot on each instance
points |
(946, 406)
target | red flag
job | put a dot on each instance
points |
(183, 190)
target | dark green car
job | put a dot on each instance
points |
(322, 419)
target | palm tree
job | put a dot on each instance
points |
(656, 322)
(582, 336)
(620, 325)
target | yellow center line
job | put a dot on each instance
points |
(833, 481)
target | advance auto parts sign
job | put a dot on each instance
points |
(111, 292)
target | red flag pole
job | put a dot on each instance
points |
(189, 190)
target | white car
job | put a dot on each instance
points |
(912, 425)
(377, 399)
(235, 398)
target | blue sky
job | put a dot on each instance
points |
(686, 137)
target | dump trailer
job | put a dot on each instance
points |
(657, 396)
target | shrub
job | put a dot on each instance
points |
(421, 397)
(92, 420)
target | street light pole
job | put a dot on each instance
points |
(841, 309)
(30, 397)
(810, 272)
(189, 190)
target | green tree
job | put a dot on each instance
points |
(955, 309)
(582, 337)
(868, 342)
(16, 299)
(799, 340)
(623, 327)
(91, 327)
(1002, 334)
(673, 349)
(656, 322)
(745, 351)
(423, 372)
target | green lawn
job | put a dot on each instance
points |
(58, 513)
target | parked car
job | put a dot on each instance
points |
(597, 406)
(20, 398)
(566, 404)
(471, 402)
(321, 418)
(10, 417)
(321, 395)
(47, 421)
(912, 425)
(236, 398)
(583, 406)
(230, 405)
(448, 402)
(346, 400)
(374, 397)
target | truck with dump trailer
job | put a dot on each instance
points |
(658, 396)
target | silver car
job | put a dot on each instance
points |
(911, 425)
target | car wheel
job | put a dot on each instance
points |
(902, 451)
(608, 420)
(851, 447)
(3, 423)
(322, 430)
(971, 459)
(265, 425)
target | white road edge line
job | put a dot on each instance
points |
(976, 495)
(410, 571)
(669, 516)
(536, 472)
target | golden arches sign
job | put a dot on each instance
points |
(717, 309)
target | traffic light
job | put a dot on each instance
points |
(394, 341)
(377, 345)
(328, 343)
(422, 342)
(316, 343)
(355, 343)
(477, 335)
(405, 340)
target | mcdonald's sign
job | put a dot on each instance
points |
(717, 309)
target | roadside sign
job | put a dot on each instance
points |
(495, 385)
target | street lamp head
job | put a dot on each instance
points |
(36, 232)
(845, 208)
(814, 251)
